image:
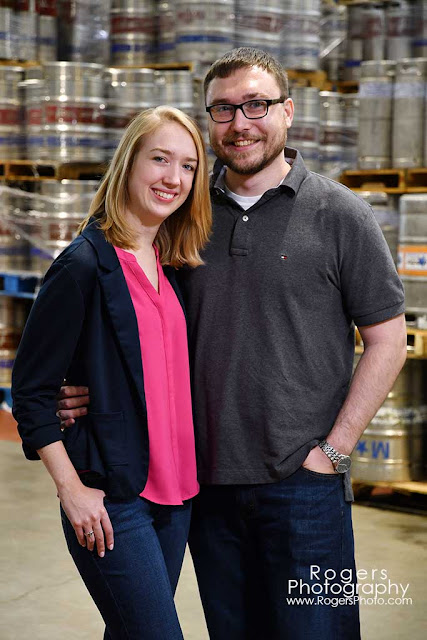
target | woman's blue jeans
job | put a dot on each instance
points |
(133, 585)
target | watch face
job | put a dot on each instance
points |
(343, 465)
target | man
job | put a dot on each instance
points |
(294, 260)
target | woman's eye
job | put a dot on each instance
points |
(189, 167)
(159, 159)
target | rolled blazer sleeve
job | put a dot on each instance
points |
(45, 353)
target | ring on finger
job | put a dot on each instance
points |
(89, 534)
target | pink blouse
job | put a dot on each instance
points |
(172, 475)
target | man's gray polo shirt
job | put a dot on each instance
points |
(270, 319)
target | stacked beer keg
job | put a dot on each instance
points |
(301, 35)
(390, 449)
(73, 112)
(59, 207)
(127, 92)
(304, 133)
(375, 118)
(260, 24)
(333, 31)
(204, 30)
(392, 127)
(11, 116)
(166, 31)
(386, 213)
(84, 31)
(133, 32)
(413, 252)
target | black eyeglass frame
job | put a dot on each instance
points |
(240, 106)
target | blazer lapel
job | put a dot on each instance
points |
(119, 304)
(122, 313)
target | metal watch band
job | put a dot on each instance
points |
(332, 453)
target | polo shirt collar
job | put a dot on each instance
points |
(292, 180)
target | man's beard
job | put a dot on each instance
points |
(248, 166)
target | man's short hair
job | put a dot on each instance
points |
(245, 57)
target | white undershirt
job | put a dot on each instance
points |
(245, 201)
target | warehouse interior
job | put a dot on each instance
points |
(73, 74)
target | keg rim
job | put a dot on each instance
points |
(12, 67)
(65, 64)
(67, 100)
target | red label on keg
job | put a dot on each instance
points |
(330, 137)
(33, 116)
(22, 5)
(398, 26)
(118, 121)
(10, 116)
(123, 24)
(62, 230)
(373, 27)
(191, 15)
(46, 7)
(267, 24)
(69, 114)
(305, 133)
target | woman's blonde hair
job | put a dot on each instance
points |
(184, 233)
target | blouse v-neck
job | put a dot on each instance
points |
(140, 274)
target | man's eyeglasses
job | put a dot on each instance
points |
(252, 109)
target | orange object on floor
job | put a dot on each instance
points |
(8, 430)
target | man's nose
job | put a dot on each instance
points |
(240, 121)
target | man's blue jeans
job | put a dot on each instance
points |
(255, 547)
(133, 585)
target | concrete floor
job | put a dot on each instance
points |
(42, 597)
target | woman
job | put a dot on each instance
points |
(109, 315)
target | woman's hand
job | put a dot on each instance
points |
(86, 511)
(71, 403)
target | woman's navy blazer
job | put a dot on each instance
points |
(83, 328)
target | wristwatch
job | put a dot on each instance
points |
(341, 462)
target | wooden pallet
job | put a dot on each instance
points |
(347, 86)
(416, 180)
(416, 343)
(386, 180)
(302, 78)
(361, 488)
(29, 170)
(159, 66)
(19, 63)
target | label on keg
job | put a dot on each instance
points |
(10, 116)
(46, 7)
(33, 116)
(305, 133)
(70, 114)
(399, 25)
(265, 23)
(409, 89)
(412, 260)
(125, 24)
(118, 121)
(22, 5)
(376, 90)
(329, 136)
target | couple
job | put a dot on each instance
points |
(293, 261)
